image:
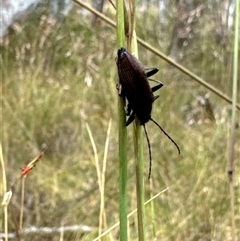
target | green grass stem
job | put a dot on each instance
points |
(4, 190)
(122, 135)
(20, 230)
(139, 165)
(152, 210)
(138, 136)
(232, 141)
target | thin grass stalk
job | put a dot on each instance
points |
(4, 188)
(139, 165)
(152, 211)
(98, 175)
(5, 211)
(61, 238)
(158, 53)
(187, 72)
(102, 207)
(122, 134)
(138, 135)
(233, 122)
(20, 231)
(101, 175)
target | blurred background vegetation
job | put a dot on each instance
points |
(58, 75)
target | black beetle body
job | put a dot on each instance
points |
(134, 85)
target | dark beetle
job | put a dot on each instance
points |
(134, 85)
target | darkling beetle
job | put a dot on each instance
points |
(133, 84)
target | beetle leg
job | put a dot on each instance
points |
(119, 89)
(128, 110)
(120, 93)
(152, 71)
(154, 88)
(130, 119)
(156, 81)
(156, 97)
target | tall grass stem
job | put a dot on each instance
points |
(4, 188)
(234, 121)
(122, 134)
(138, 135)
(100, 184)
(22, 207)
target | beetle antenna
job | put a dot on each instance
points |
(150, 153)
(166, 134)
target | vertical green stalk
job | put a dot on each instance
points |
(233, 123)
(22, 209)
(132, 46)
(4, 189)
(138, 139)
(138, 149)
(122, 136)
(152, 211)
